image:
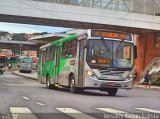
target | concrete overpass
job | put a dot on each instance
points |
(18, 45)
(135, 16)
(34, 43)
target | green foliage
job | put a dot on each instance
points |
(3, 33)
(20, 37)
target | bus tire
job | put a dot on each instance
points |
(112, 91)
(72, 84)
(48, 84)
(2, 72)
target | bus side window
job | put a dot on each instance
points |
(48, 54)
(69, 49)
(40, 55)
(44, 56)
(52, 53)
(73, 48)
(65, 50)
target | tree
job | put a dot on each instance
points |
(4, 33)
(42, 33)
(20, 37)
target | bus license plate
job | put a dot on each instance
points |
(108, 84)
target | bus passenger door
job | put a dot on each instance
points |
(57, 63)
(81, 63)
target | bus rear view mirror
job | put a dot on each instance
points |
(135, 52)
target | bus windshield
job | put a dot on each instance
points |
(12, 59)
(110, 53)
(26, 60)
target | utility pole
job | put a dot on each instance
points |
(20, 49)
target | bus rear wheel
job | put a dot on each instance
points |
(48, 84)
(112, 91)
(72, 84)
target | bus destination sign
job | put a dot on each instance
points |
(110, 34)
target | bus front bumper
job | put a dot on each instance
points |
(102, 84)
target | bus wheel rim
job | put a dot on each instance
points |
(47, 82)
(72, 83)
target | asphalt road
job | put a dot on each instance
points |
(30, 99)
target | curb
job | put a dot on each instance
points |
(24, 76)
(147, 88)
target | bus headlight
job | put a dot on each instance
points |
(130, 76)
(90, 74)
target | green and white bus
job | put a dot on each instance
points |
(94, 59)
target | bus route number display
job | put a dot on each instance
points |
(104, 61)
(110, 34)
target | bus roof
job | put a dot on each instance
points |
(60, 41)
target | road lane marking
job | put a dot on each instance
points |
(118, 113)
(2, 87)
(148, 110)
(39, 103)
(26, 98)
(22, 113)
(75, 113)
(20, 110)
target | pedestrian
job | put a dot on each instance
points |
(135, 75)
(147, 79)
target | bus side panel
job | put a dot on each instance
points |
(50, 70)
(69, 66)
(63, 70)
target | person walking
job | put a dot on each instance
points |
(147, 79)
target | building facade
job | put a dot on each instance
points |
(148, 49)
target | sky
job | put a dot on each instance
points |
(25, 28)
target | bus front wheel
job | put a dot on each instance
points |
(112, 91)
(48, 84)
(72, 84)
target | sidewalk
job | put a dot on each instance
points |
(143, 86)
(34, 76)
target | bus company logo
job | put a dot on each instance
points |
(72, 62)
